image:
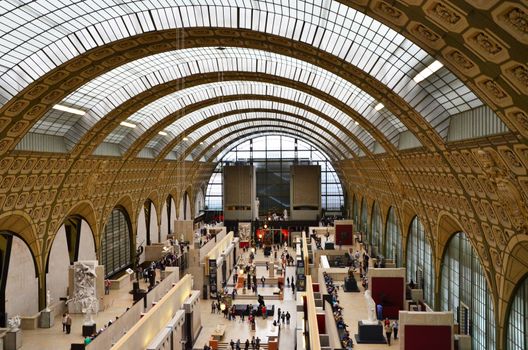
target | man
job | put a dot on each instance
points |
(232, 343)
(278, 315)
(388, 333)
(107, 285)
(238, 344)
(263, 279)
(213, 307)
(288, 316)
(395, 328)
(257, 343)
(68, 323)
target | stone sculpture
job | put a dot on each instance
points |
(84, 293)
(48, 301)
(13, 323)
(371, 308)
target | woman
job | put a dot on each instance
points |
(388, 332)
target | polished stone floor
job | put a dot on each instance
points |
(116, 303)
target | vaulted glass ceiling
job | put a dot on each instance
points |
(179, 100)
(254, 118)
(37, 37)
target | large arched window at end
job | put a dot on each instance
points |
(517, 333)
(376, 236)
(464, 286)
(420, 261)
(115, 248)
(393, 238)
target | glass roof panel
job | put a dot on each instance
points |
(307, 136)
(109, 90)
(248, 119)
(176, 101)
(35, 37)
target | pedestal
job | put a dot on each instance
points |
(13, 340)
(46, 319)
(88, 330)
(370, 333)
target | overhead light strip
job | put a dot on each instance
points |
(379, 106)
(162, 133)
(430, 69)
(69, 109)
(128, 125)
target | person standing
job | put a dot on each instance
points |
(238, 344)
(263, 279)
(253, 343)
(68, 323)
(213, 307)
(257, 343)
(107, 285)
(278, 314)
(246, 346)
(288, 316)
(64, 318)
(283, 317)
(232, 343)
(395, 329)
(388, 333)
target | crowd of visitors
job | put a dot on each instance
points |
(342, 327)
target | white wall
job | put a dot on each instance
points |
(22, 285)
(87, 243)
(141, 236)
(58, 264)
(188, 209)
(173, 215)
(199, 202)
(154, 238)
(180, 209)
(164, 222)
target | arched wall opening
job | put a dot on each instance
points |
(376, 238)
(463, 285)
(19, 281)
(517, 326)
(116, 250)
(393, 238)
(420, 266)
(74, 241)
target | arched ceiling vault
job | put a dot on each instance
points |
(205, 144)
(187, 41)
(203, 130)
(234, 130)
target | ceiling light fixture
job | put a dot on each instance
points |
(128, 125)
(69, 109)
(162, 133)
(185, 139)
(356, 123)
(379, 106)
(430, 69)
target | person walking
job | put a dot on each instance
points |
(238, 344)
(64, 318)
(263, 279)
(288, 316)
(257, 343)
(213, 307)
(395, 329)
(68, 323)
(232, 343)
(388, 333)
(278, 314)
(246, 346)
(253, 343)
(283, 317)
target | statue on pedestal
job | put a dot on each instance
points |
(371, 309)
(84, 294)
(13, 323)
(257, 206)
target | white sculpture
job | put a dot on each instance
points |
(257, 205)
(13, 323)
(84, 293)
(371, 308)
(48, 301)
(285, 214)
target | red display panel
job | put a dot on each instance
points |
(418, 337)
(321, 325)
(344, 235)
(388, 291)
